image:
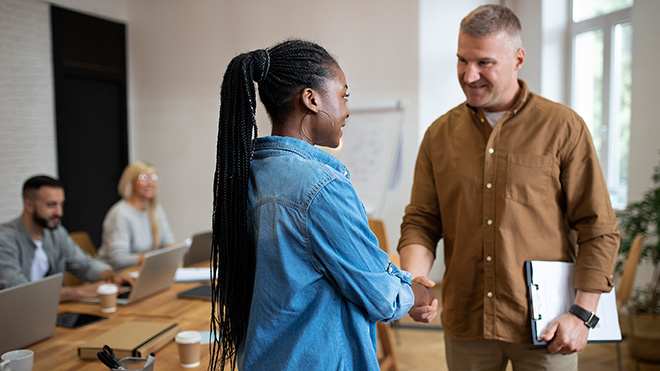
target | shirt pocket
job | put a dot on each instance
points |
(527, 177)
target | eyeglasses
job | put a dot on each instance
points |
(144, 177)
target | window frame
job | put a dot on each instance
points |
(608, 153)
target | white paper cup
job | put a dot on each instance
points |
(188, 343)
(17, 360)
(108, 297)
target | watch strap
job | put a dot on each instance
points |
(590, 319)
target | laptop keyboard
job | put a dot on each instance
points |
(124, 295)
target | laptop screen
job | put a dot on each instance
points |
(200, 249)
(29, 312)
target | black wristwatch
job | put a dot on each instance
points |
(590, 319)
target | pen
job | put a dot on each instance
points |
(109, 361)
(103, 357)
(107, 356)
(150, 360)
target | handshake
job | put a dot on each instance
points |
(423, 295)
(426, 306)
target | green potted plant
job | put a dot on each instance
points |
(643, 217)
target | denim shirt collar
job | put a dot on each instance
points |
(303, 149)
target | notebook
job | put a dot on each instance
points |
(156, 273)
(200, 249)
(29, 312)
(131, 339)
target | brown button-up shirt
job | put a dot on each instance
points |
(529, 189)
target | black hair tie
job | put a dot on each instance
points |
(262, 64)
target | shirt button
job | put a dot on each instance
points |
(489, 221)
(491, 150)
(489, 186)
(482, 120)
(389, 269)
(489, 294)
(489, 258)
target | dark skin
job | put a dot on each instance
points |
(318, 114)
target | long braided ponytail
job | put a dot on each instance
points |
(282, 73)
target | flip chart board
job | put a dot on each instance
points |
(370, 149)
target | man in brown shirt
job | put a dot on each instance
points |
(505, 177)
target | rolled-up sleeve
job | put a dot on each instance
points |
(422, 222)
(79, 263)
(590, 213)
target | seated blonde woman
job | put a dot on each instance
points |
(136, 224)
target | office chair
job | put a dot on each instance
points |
(624, 290)
(387, 360)
(85, 243)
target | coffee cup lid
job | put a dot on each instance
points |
(106, 289)
(188, 337)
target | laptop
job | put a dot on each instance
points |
(29, 312)
(200, 249)
(155, 275)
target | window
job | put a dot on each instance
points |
(601, 84)
(586, 9)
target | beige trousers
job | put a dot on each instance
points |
(493, 355)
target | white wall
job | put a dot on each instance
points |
(439, 90)
(27, 133)
(529, 13)
(176, 57)
(645, 130)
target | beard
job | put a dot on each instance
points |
(42, 221)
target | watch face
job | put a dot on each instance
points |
(593, 321)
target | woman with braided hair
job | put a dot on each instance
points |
(298, 278)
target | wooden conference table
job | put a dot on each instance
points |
(60, 351)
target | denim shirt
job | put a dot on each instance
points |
(321, 280)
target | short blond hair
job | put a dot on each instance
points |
(490, 19)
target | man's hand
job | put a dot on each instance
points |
(123, 279)
(566, 334)
(426, 305)
(417, 260)
(119, 279)
(87, 290)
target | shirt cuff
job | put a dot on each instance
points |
(406, 298)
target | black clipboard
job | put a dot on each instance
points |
(77, 320)
(550, 294)
(202, 292)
